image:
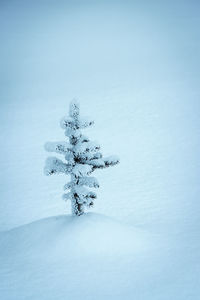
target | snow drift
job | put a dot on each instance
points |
(65, 257)
(93, 257)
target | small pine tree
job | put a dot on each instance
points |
(82, 156)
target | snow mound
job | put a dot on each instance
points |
(94, 257)
(47, 258)
(63, 236)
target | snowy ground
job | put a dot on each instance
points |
(95, 257)
(135, 68)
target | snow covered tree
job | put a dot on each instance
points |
(83, 157)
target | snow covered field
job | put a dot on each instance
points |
(134, 66)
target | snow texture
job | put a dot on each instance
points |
(135, 66)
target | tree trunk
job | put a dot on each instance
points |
(77, 208)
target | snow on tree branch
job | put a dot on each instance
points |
(90, 156)
(89, 181)
(82, 148)
(111, 161)
(81, 170)
(83, 158)
(69, 132)
(84, 123)
(96, 163)
(74, 109)
(67, 196)
(83, 180)
(84, 196)
(67, 122)
(58, 147)
(68, 185)
(54, 165)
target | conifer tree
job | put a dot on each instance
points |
(83, 157)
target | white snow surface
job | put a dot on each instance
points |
(93, 257)
(134, 67)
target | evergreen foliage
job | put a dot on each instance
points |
(82, 158)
